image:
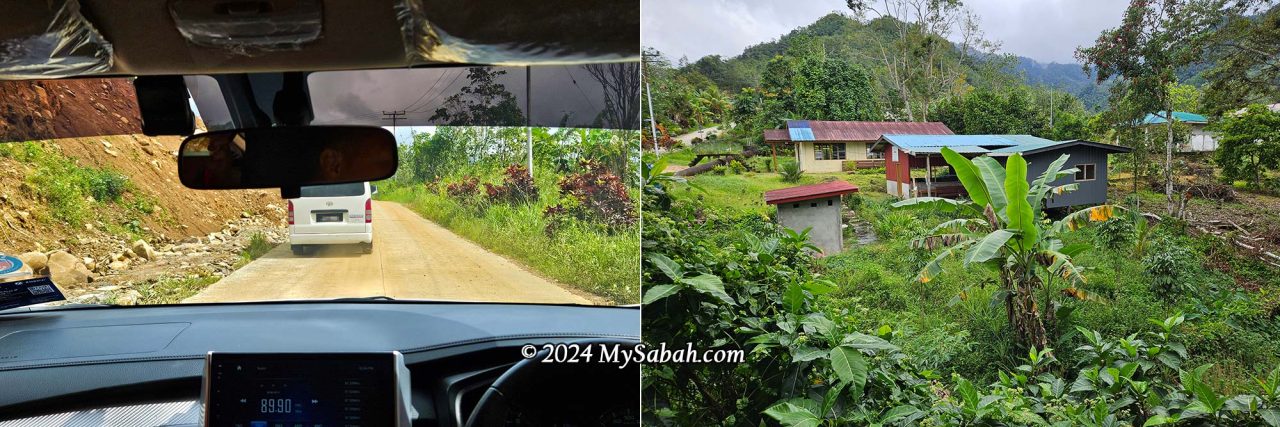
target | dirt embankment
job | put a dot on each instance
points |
(154, 207)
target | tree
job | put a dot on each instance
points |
(1000, 228)
(484, 101)
(1248, 144)
(917, 61)
(1245, 53)
(621, 85)
(1153, 40)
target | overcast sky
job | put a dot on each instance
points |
(1044, 30)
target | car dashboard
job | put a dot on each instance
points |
(145, 366)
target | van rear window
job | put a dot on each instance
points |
(335, 190)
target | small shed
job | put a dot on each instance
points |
(824, 146)
(914, 159)
(815, 207)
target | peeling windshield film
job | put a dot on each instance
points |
(543, 214)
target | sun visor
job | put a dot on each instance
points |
(52, 42)
(248, 28)
(502, 32)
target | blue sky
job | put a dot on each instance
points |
(1044, 30)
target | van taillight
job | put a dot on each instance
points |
(290, 212)
(368, 211)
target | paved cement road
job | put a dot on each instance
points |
(412, 259)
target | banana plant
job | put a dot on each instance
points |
(1000, 228)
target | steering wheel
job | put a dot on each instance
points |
(534, 392)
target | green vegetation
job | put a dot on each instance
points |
(1164, 328)
(173, 290)
(258, 246)
(1249, 145)
(72, 193)
(574, 222)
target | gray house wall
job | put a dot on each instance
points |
(1090, 192)
(822, 216)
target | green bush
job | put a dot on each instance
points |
(1114, 233)
(736, 167)
(719, 170)
(1168, 269)
(790, 171)
(105, 185)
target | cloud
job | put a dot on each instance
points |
(1045, 30)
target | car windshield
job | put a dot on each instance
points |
(514, 184)
(333, 190)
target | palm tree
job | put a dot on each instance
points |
(1000, 227)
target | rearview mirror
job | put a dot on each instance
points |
(286, 157)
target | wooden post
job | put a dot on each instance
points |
(774, 166)
(928, 174)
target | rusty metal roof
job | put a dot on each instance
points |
(809, 192)
(824, 130)
(776, 135)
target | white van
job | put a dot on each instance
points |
(332, 215)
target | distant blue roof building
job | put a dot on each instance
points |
(1181, 116)
(905, 153)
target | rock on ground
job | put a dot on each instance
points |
(67, 270)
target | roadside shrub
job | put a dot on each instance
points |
(516, 187)
(719, 170)
(595, 195)
(465, 188)
(790, 171)
(105, 185)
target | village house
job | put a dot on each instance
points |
(824, 146)
(1200, 140)
(914, 161)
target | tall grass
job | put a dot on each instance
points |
(581, 255)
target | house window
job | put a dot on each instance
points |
(828, 151)
(895, 153)
(874, 154)
(1086, 172)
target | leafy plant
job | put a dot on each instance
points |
(517, 186)
(1000, 229)
(790, 171)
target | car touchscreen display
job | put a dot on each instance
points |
(270, 390)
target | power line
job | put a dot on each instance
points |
(393, 116)
(442, 90)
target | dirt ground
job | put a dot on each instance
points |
(412, 259)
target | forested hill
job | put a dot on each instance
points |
(846, 38)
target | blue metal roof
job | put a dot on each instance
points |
(799, 130)
(1028, 147)
(1181, 116)
(918, 143)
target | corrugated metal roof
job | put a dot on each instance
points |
(962, 149)
(916, 142)
(809, 192)
(1053, 145)
(777, 135)
(824, 130)
(1181, 116)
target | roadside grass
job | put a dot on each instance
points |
(173, 290)
(579, 254)
(257, 247)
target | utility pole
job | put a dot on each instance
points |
(653, 125)
(393, 116)
(528, 114)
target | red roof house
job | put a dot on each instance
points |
(823, 146)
